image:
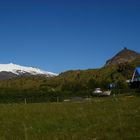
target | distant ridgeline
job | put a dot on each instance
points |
(124, 56)
(71, 83)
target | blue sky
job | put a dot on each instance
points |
(60, 35)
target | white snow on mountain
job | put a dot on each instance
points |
(18, 70)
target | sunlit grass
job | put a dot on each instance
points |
(101, 118)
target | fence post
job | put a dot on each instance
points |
(25, 101)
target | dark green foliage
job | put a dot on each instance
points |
(30, 95)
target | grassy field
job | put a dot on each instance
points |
(106, 118)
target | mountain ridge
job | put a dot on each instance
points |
(75, 82)
(125, 55)
(13, 70)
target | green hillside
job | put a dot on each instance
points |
(71, 83)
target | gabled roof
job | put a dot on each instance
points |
(136, 75)
(138, 70)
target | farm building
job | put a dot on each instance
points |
(135, 81)
(136, 75)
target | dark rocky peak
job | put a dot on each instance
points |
(125, 55)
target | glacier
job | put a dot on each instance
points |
(19, 70)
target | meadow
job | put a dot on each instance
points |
(101, 118)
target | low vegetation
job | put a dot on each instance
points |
(98, 119)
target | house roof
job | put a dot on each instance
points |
(138, 70)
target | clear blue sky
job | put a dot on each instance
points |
(59, 35)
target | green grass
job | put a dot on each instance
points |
(108, 118)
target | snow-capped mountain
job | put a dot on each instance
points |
(14, 70)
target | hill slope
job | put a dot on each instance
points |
(79, 82)
(123, 56)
